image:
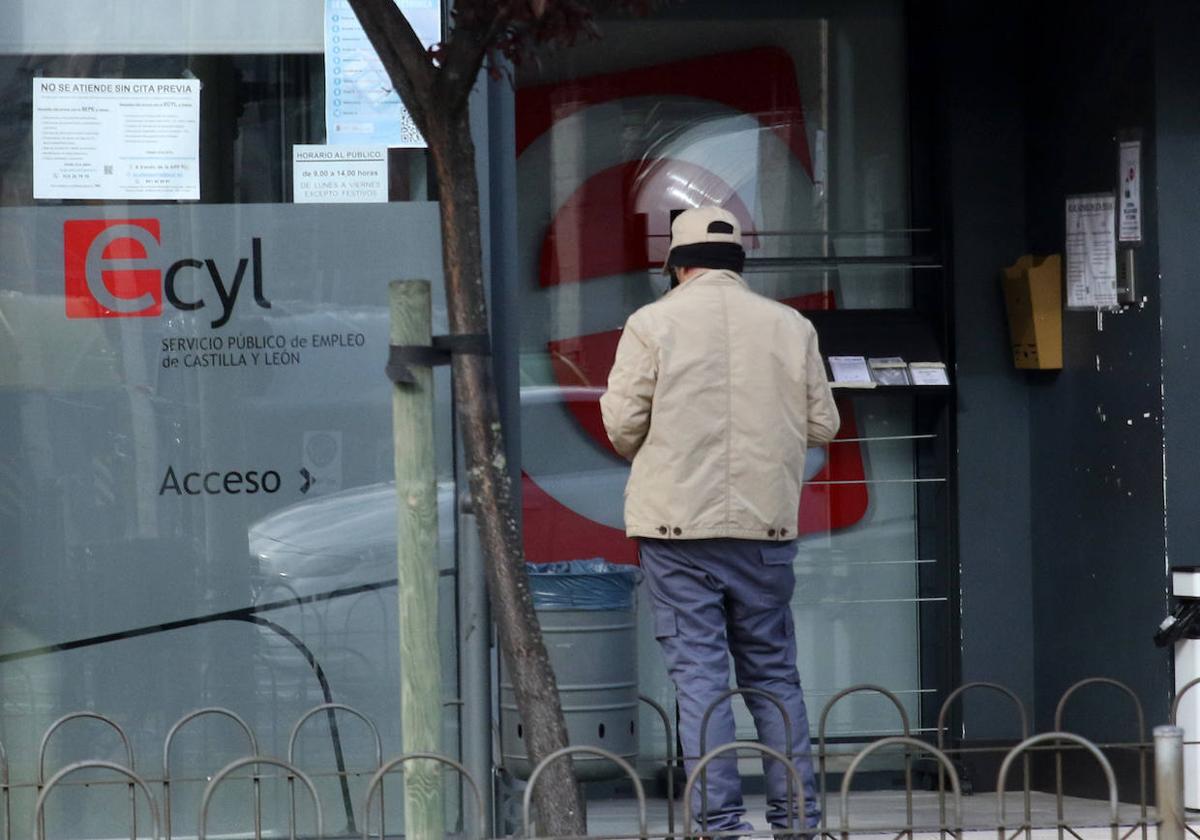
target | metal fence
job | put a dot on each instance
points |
(837, 821)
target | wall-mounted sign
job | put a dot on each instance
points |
(1091, 251)
(116, 138)
(1129, 216)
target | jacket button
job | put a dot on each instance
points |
(662, 529)
(783, 532)
(677, 531)
(771, 532)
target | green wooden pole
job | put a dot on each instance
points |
(416, 561)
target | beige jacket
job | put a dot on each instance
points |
(715, 394)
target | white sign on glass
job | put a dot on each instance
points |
(339, 174)
(116, 138)
(361, 106)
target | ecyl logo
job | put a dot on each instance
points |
(114, 269)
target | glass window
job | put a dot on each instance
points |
(196, 497)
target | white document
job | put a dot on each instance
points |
(339, 174)
(1129, 226)
(850, 371)
(1091, 252)
(361, 107)
(928, 373)
(116, 138)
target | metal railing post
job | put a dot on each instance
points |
(463, 772)
(475, 659)
(255, 761)
(638, 790)
(787, 734)
(107, 721)
(331, 710)
(1168, 782)
(166, 762)
(135, 782)
(670, 758)
(821, 756)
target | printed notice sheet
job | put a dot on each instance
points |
(928, 373)
(339, 174)
(116, 138)
(850, 372)
(1091, 252)
(361, 108)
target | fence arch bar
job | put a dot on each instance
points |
(1137, 704)
(238, 764)
(107, 721)
(833, 701)
(670, 758)
(1188, 686)
(963, 689)
(1060, 710)
(58, 724)
(1022, 715)
(135, 781)
(716, 752)
(907, 742)
(331, 710)
(384, 769)
(166, 763)
(602, 753)
(743, 692)
(1020, 748)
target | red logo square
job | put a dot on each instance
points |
(109, 269)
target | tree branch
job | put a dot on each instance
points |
(466, 48)
(404, 57)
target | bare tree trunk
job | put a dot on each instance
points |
(557, 798)
(437, 97)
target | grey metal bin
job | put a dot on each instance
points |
(588, 616)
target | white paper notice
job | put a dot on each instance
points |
(361, 106)
(116, 138)
(850, 370)
(928, 373)
(339, 174)
(1091, 252)
(1129, 227)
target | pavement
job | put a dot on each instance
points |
(883, 814)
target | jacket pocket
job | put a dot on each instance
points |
(665, 624)
(783, 554)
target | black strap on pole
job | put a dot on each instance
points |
(401, 357)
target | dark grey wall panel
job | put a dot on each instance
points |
(985, 122)
(1095, 428)
(1177, 63)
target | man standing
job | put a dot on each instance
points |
(715, 395)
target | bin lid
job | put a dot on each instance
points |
(592, 584)
(1185, 581)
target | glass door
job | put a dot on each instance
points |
(796, 120)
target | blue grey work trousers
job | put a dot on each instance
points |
(713, 598)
